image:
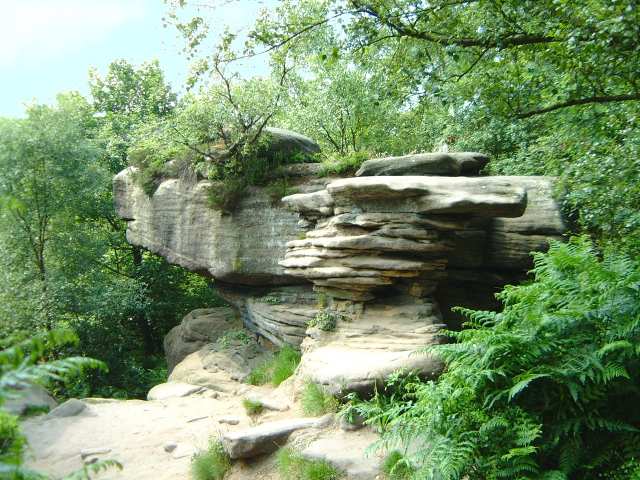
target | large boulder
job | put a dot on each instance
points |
(287, 143)
(32, 397)
(178, 224)
(448, 164)
(222, 365)
(198, 327)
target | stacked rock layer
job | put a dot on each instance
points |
(383, 231)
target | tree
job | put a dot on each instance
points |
(49, 168)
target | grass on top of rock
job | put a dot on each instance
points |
(277, 369)
(210, 464)
(293, 466)
(316, 401)
(343, 165)
(234, 337)
(252, 407)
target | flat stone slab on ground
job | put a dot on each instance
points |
(265, 438)
(349, 452)
(173, 390)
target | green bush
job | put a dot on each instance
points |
(226, 196)
(387, 404)
(326, 320)
(212, 464)
(260, 375)
(316, 401)
(252, 407)
(293, 466)
(396, 467)
(548, 388)
(12, 442)
(343, 165)
(277, 369)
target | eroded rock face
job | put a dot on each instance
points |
(390, 255)
(279, 314)
(198, 327)
(178, 224)
(220, 366)
(368, 345)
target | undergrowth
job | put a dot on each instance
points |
(545, 389)
(396, 467)
(252, 407)
(293, 466)
(276, 370)
(316, 401)
(211, 464)
(344, 164)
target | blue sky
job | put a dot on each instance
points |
(48, 46)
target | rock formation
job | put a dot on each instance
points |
(384, 255)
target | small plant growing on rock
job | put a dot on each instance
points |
(211, 464)
(294, 466)
(260, 375)
(252, 407)
(232, 337)
(270, 299)
(326, 320)
(317, 401)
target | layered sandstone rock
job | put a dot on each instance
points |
(387, 255)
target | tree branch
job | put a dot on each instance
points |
(581, 101)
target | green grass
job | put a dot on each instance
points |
(395, 467)
(252, 407)
(285, 363)
(293, 466)
(316, 401)
(277, 369)
(347, 164)
(211, 464)
(260, 375)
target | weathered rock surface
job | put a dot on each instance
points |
(173, 389)
(220, 366)
(198, 327)
(280, 314)
(368, 345)
(70, 408)
(33, 397)
(348, 453)
(287, 142)
(178, 224)
(448, 164)
(265, 438)
(385, 231)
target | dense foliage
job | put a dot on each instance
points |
(66, 259)
(546, 389)
(21, 367)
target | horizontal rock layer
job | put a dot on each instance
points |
(374, 232)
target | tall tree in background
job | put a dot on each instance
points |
(49, 168)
